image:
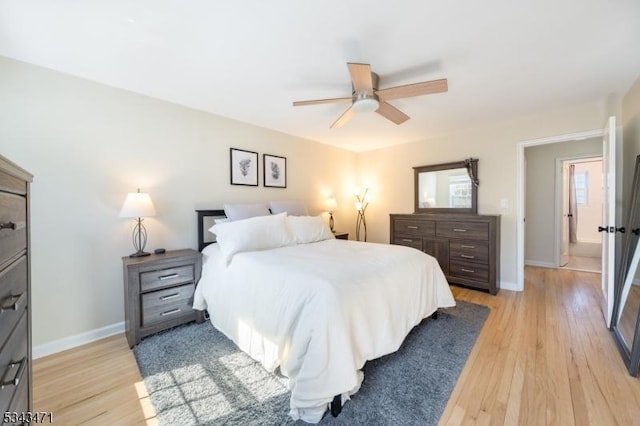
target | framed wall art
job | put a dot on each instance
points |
(275, 171)
(244, 167)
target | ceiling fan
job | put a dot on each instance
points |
(366, 97)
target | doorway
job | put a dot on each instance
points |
(579, 210)
(521, 192)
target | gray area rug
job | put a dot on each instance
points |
(196, 376)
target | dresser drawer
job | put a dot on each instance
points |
(414, 227)
(463, 269)
(166, 277)
(469, 251)
(164, 305)
(13, 361)
(466, 230)
(13, 221)
(13, 295)
(414, 242)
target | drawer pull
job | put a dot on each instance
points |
(467, 270)
(171, 312)
(466, 256)
(459, 230)
(168, 277)
(412, 227)
(8, 225)
(467, 247)
(406, 240)
(170, 296)
(16, 302)
(16, 378)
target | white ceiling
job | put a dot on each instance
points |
(249, 60)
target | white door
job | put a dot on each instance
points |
(608, 217)
(564, 247)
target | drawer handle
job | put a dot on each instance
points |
(169, 297)
(412, 227)
(8, 225)
(168, 277)
(459, 230)
(15, 305)
(467, 247)
(171, 312)
(467, 270)
(466, 256)
(406, 240)
(16, 378)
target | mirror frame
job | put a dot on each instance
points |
(471, 164)
(631, 356)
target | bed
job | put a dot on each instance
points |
(319, 310)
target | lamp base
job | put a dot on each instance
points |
(140, 253)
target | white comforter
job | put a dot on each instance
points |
(319, 311)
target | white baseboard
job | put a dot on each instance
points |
(506, 285)
(69, 342)
(540, 264)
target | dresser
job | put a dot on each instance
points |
(159, 292)
(15, 289)
(467, 246)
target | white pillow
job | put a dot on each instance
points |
(245, 211)
(292, 208)
(309, 229)
(256, 233)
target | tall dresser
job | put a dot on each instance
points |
(15, 289)
(467, 246)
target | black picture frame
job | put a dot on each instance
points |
(243, 167)
(274, 169)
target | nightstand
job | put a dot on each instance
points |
(158, 292)
(341, 235)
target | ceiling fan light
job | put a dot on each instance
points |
(366, 105)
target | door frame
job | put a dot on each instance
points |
(558, 219)
(521, 190)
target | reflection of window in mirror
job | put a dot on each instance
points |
(459, 191)
(581, 180)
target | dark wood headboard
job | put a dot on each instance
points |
(205, 221)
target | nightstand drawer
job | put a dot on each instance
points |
(166, 277)
(164, 305)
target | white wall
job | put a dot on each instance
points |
(88, 145)
(390, 172)
(541, 195)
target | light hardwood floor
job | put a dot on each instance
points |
(543, 357)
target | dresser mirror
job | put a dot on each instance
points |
(626, 308)
(447, 188)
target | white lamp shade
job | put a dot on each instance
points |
(138, 204)
(330, 204)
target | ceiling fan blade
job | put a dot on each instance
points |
(322, 101)
(415, 89)
(392, 113)
(361, 78)
(346, 116)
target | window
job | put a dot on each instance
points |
(581, 180)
